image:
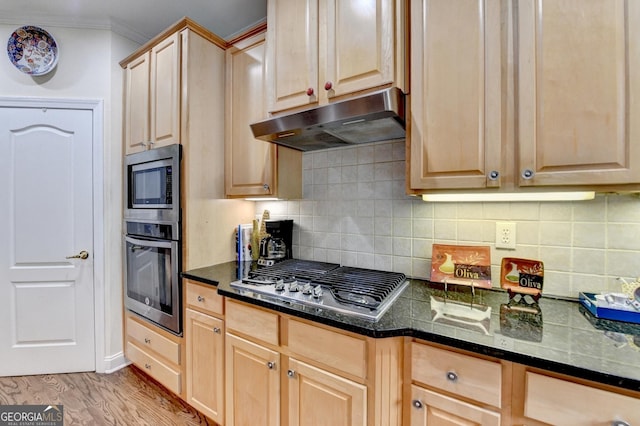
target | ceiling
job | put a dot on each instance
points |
(139, 20)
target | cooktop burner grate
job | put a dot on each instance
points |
(293, 268)
(361, 287)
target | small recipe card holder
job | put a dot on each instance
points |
(462, 265)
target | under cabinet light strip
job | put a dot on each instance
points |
(507, 197)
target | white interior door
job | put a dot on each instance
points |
(46, 215)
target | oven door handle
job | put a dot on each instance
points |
(138, 244)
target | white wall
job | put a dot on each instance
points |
(88, 69)
(355, 212)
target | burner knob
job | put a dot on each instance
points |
(307, 289)
(279, 285)
(317, 292)
(294, 286)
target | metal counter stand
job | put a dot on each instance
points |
(554, 334)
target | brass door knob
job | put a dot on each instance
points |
(82, 255)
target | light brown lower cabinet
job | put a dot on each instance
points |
(453, 388)
(315, 394)
(544, 398)
(447, 386)
(155, 351)
(284, 371)
(252, 383)
(432, 408)
(205, 364)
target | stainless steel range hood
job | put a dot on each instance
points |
(375, 117)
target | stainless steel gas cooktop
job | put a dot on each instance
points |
(364, 293)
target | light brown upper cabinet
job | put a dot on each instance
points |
(318, 50)
(521, 94)
(253, 167)
(152, 97)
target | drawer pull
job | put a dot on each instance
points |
(417, 403)
(619, 423)
(291, 373)
(527, 174)
(147, 340)
(494, 174)
(200, 299)
(216, 330)
(147, 366)
(452, 376)
(271, 365)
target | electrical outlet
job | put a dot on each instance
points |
(503, 342)
(506, 235)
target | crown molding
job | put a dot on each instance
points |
(74, 22)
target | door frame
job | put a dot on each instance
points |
(96, 106)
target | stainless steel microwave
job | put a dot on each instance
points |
(153, 184)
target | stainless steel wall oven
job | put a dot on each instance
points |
(152, 240)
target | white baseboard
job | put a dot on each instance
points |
(114, 363)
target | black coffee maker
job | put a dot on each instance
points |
(277, 246)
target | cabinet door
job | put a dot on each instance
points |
(252, 383)
(136, 99)
(456, 113)
(205, 364)
(359, 38)
(579, 76)
(318, 398)
(431, 408)
(165, 92)
(546, 401)
(292, 40)
(249, 162)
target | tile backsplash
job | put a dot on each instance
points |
(355, 212)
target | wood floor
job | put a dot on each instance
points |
(126, 397)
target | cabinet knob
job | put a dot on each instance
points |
(147, 366)
(494, 174)
(216, 330)
(200, 299)
(310, 91)
(619, 423)
(328, 85)
(147, 340)
(265, 186)
(271, 365)
(452, 376)
(417, 403)
(527, 174)
(291, 373)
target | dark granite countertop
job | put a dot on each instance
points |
(554, 334)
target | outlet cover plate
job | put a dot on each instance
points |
(506, 235)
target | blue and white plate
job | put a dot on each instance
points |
(32, 50)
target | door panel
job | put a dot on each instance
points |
(46, 299)
(456, 111)
(578, 65)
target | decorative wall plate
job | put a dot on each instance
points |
(463, 265)
(524, 276)
(32, 50)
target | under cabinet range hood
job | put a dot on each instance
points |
(375, 117)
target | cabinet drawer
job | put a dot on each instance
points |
(463, 375)
(334, 349)
(164, 374)
(154, 341)
(547, 400)
(428, 407)
(204, 298)
(253, 322)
